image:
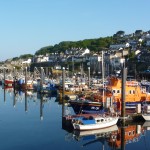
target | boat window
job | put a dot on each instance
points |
(98, 120)
(118, 91)
(102, 120)
(133, 132)
(129, 133)
(133, 92)
(114, 91)
(130, 92)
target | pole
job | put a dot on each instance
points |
(34, 73)
(72, 65)
(135, 70)
(63, 82)
(26, 78)
(123, 91)
(46, 71)
(14, 74)
(63, 90)
(103, 76)
(41, 83)
(82, 69)
(68, 70)
(4, 71)
(89, 80)
(123, 141)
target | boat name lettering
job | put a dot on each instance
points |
(95, 108)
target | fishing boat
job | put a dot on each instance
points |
(80, 105)
(28, 85)
(92, 103)
(8, 80)
(94, 122)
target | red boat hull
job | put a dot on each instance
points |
(8, 82)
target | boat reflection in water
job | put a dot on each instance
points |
(27, 97)
(128, 135)
(95, 134)
(113, 137)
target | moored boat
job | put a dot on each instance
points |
(81, 105)
(92, 123)
(135, 93)
(8, 80)
(92, 102)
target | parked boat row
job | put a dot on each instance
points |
(88, 99)
(108, 96)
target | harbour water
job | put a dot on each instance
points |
(34, 122)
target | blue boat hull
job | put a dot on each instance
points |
(80, 107)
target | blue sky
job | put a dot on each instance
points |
(28, 25)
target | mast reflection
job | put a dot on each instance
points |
(4, 95)
(26, 102)
(41, 107)
(14, 99)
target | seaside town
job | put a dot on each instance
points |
(133, 47)
(74, 75)
(104, 88)
(84, 69)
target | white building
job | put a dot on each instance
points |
(118, 46)
(27, 61)
(86, 51)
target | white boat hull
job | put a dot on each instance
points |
(98, 131)
(98, 125)
(146, 117)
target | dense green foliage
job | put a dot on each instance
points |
(15, 58)
(25, 56)
(93, 44)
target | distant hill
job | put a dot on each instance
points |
(92, 44)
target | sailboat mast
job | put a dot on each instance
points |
(103, 76)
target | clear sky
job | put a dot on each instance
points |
(28, 25)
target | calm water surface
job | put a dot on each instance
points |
(35, 124)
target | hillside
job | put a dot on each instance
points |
(95, 45)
